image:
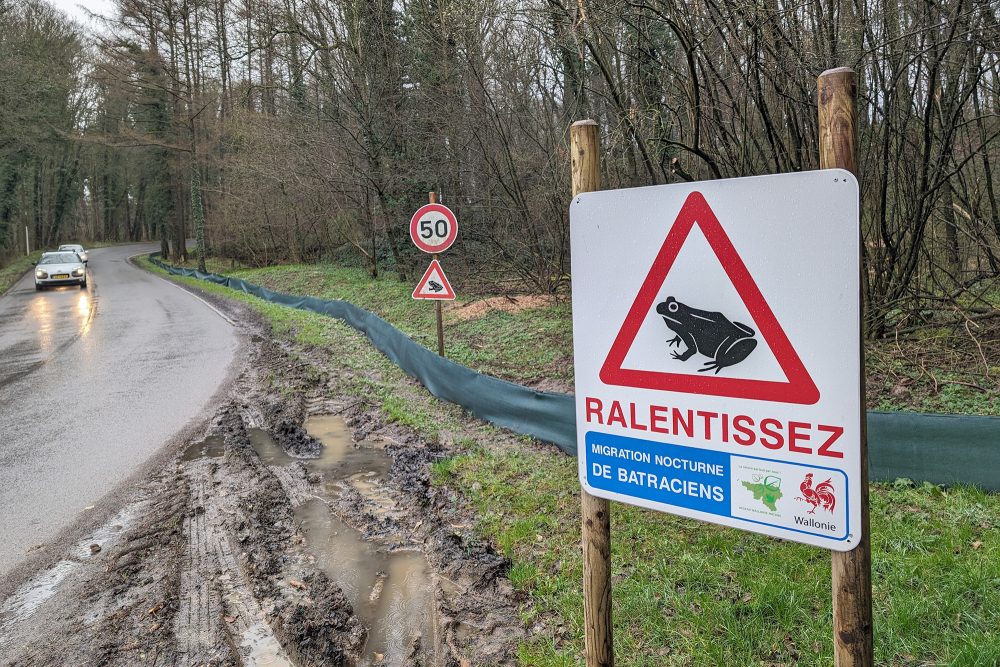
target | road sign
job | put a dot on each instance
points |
(434, 284)
(433, 228)
(696, 329)
(717, 351)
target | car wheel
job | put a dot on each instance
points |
(38, 288)
(83, 284)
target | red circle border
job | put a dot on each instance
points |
(448, 241)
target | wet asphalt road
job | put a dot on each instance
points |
(92, 383)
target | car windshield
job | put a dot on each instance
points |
(74, 248)
(60, 258)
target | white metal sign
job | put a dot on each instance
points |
(716, 336)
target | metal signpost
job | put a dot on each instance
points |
(716, 330)
(433, 229)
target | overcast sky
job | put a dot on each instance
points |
(77, 8)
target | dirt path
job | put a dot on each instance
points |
(264, 543)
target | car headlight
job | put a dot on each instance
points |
(41, 274)
(77, 272)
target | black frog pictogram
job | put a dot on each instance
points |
(709, 333)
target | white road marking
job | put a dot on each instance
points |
(189, 292)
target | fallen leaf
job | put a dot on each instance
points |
(155, 626)
(295, 583)
(977, 544)
(154, 609)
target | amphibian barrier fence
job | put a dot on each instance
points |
(942, 449)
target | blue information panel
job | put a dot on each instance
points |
(739, 488)
(670, 474)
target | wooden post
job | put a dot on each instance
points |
(433, 199)
(851, 570)
(585, 163)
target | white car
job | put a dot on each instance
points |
(60, 268)
(78, 249)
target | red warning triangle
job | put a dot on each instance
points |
(799, 387)
(434, 284)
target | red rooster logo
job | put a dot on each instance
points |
(820, 496)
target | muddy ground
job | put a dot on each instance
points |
(298, 529)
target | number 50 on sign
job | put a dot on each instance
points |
(433, 228)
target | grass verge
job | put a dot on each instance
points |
(684, 592)
(687, 593)
(12, 272)
(936, 370)
(526, 345)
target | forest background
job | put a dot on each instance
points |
(309, 130)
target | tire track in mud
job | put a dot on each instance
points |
(218, 614)
(196, 627)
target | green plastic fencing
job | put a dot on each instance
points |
(942, 449)
(543, 415)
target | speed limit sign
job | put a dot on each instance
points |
(433, 228)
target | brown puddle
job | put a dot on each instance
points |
(211, 447)
(392, 592)
(339, 460)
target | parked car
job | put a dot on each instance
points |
(60, 268)
(78, 249)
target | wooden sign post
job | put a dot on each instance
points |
(432, 198)
(596, 512)
(614, 234)
(851, 570)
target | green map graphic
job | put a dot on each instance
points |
(766, 490)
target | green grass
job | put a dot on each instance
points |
(692, 593)
(535, 345)
(685, 593)
(949, 386)
(528, 346)
(11, 272)
(362, 371)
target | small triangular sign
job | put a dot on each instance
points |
(799, 387)
(434, 284)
